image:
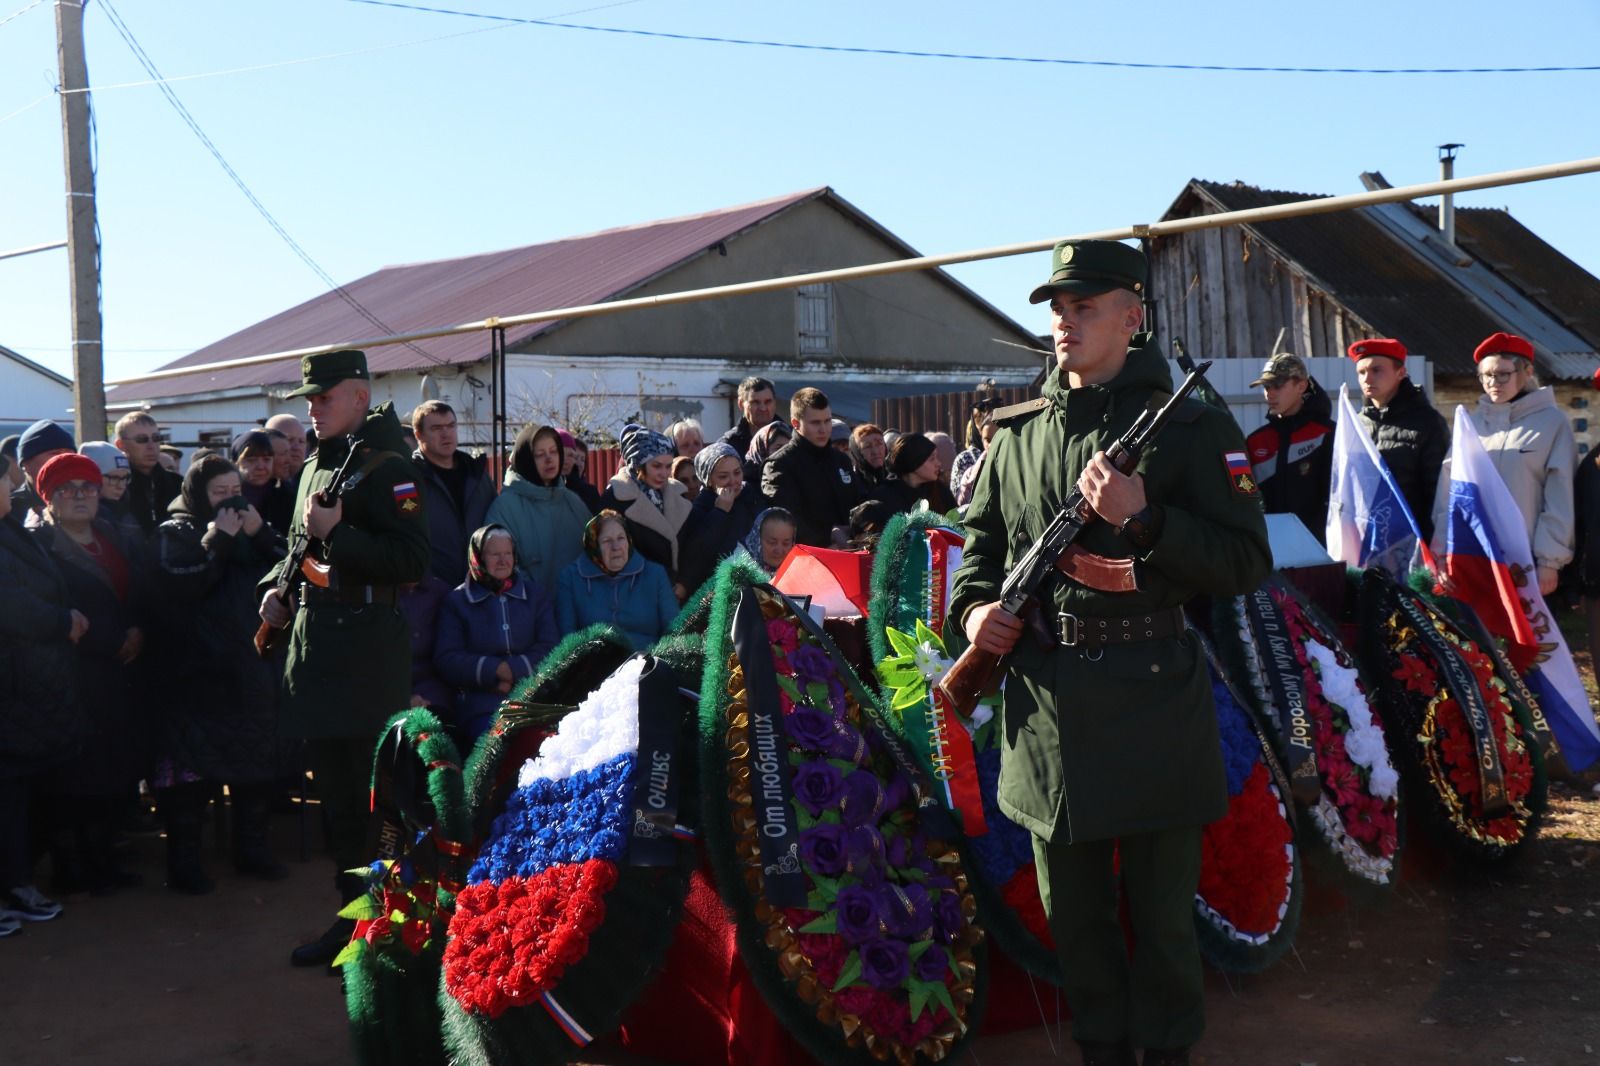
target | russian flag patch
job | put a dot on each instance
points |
(405, 494)
(1239, 473)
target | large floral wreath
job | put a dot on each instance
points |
(917, 555)
(854, 916)
(563, 913)
(1486, 802)
(1304, 682)
(1247, 905)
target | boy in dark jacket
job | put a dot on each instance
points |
(1292, 455)
(807, 477)
(1411, 436)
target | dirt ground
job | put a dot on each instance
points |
(1453, 967)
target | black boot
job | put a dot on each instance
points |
(106, 873)
(252, 815)
(183, 811)
(69, 874)
(1106, 1053)
(323, 950)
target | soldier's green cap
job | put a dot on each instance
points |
(1089, 268)
(321, 372)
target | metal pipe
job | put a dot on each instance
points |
(1295, 209)
(1447, 202)
(13, 253)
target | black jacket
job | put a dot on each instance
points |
(739, 436)
(1292, 460)
(41, 721)
(1413, 439)
(114, 755)
(149, 496)
(816, 485)
(449, 526)
(218, 713)
(1587, 499)
(585, 491)
(710, 534)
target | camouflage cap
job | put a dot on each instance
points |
(323, 371)
(1281, 368)
(1088, 268)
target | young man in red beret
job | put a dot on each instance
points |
(1411, 436)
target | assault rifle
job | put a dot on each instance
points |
(298, 566)
(975, 671)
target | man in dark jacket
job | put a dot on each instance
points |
(1411, 436)
(807, 477)
(153, 486)
(758, 405)
(1292, 455)
(456, 489)
(349, 661)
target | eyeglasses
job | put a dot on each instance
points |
(144, 438)
(1496, 377)
(78, 490)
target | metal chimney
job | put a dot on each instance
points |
(1447, 202)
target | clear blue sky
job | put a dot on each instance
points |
(518, 134)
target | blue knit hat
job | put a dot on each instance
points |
(640, 445)
(44, 436)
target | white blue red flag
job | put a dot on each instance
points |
(1369, 523)
(1489, 564)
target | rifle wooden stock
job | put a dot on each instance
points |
(268, 638)
(975, 672)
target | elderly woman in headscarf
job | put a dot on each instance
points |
(763, 446)
(91, 789)
(217, 721)
(546, 518)
(492, 631)
(653, 505)
(721, 516)
(613, 584)
(771, 538)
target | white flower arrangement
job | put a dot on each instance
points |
(605, 725)
(1341, 687)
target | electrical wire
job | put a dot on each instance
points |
(29, 106)
(19, 14)
(183, 112)
(977, 57)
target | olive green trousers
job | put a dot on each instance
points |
(343, 769)
(1156, 997)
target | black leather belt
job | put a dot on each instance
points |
(1097, 631)
(352, 595)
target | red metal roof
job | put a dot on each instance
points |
(418, 296)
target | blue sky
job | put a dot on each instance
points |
(517, 134)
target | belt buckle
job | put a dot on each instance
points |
(1069, 629)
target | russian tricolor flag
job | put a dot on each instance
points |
(1489, 564)
(1369, 523)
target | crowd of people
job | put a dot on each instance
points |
(129, 675)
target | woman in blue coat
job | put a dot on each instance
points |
(493, 630)
(612, 583)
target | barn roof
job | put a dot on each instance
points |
(587, 269)
(1391, 269)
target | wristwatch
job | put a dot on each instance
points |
(1143, 528)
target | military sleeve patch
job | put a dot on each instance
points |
(405, 496)
(1239, 473)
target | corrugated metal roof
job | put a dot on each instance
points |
(1404, 287)
(417, 296)
(1515, 252)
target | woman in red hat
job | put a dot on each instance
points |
(1530, 442)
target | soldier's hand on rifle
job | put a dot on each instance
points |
(320, 520)
(993, 629)
(1113, 494)
(274, 611)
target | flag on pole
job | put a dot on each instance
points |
(1369, 523)
(1489, 564)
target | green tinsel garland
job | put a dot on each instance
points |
(389, 994)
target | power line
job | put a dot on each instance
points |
(19, 14)
(977, 57)
(189, 120)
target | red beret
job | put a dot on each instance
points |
(1597, 379)
(1378, 346)
(66, 467)
(1503, 344)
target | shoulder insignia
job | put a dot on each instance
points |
(1240, 473)
(1026, 407)
(405, 496)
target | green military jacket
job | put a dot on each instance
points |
(1100, 744)
(349, 665)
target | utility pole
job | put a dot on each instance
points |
(83, 238)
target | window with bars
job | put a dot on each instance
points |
(813, 316)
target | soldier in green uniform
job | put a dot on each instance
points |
(349, 661)
(1110, 740)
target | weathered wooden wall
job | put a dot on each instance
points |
(947, 411)
(1224, 293)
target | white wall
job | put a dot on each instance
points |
(27, 395)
